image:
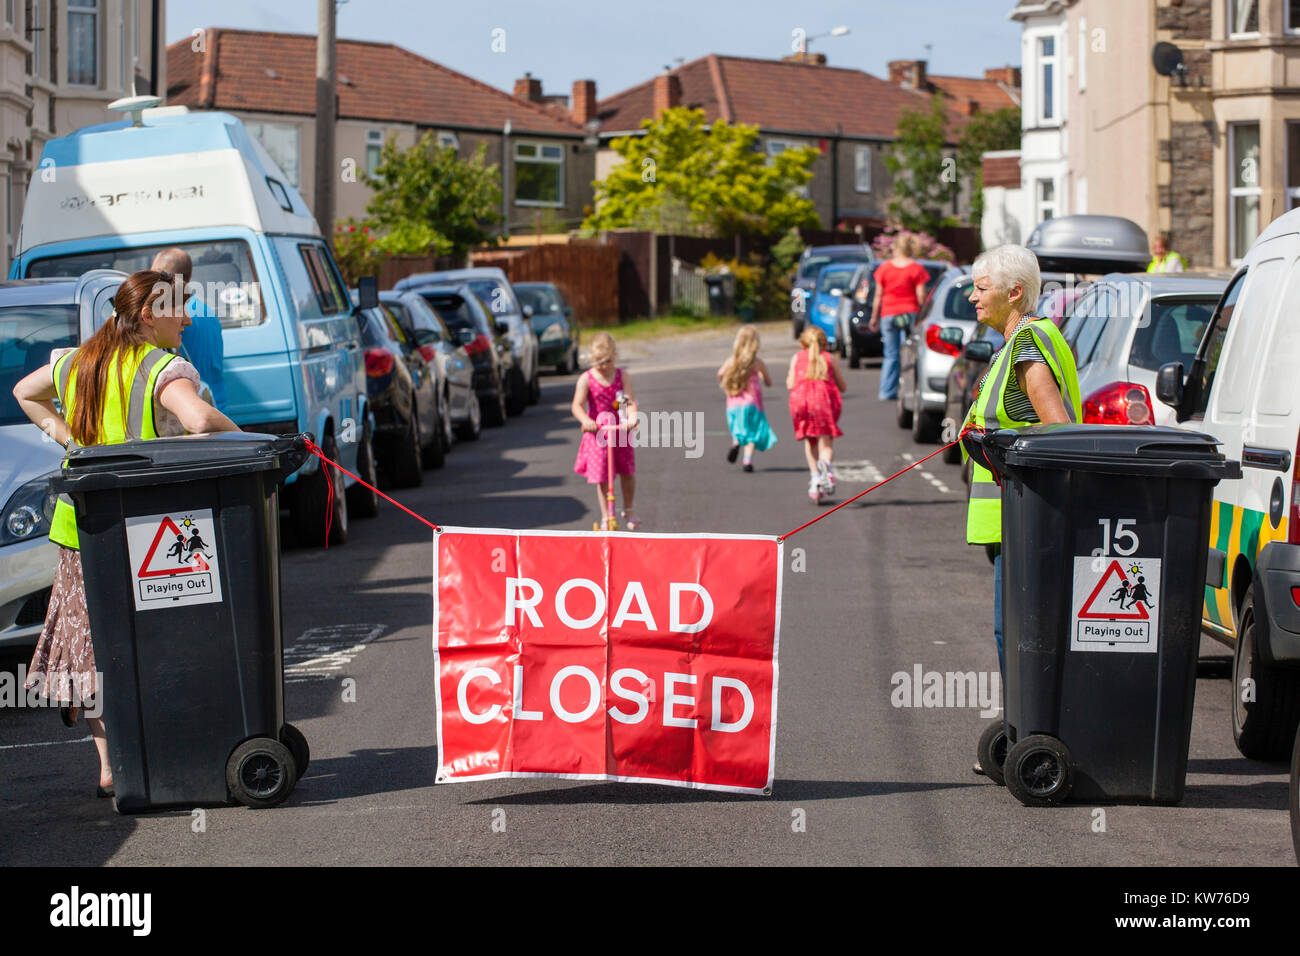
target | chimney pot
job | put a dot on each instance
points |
(583, 103)
(667, 93)
(528, 88)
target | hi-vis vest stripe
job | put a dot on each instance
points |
(124, 416)
(984, 513)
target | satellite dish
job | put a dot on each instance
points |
(1167, 59)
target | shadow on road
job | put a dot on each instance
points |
(621, 793)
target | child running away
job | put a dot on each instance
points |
(743, 377)
(815, 384)
(593, 405)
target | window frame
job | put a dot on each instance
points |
(93, 12)
(375, 141)
(1083, 54)
(1292, 192)
(1290, 24)
(1241, 192)
(1041, 204)
(295, 178)
(538, 159)
(322, 287)
(1044, 61)
(1230, 22)
(448, 138)
(858, 168)
(38, 39)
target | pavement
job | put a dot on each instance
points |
(889, 585)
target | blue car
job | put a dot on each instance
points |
(122, 192)
(832, 283)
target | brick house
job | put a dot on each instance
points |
(268, 80)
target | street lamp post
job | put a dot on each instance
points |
(833, 32)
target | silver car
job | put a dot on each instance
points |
(942, 329)
(36, 316)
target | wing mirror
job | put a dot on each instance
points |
(1169, 384)
(979, 351)
(951, 335)
(368, 292)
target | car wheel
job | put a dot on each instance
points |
(903, 416)
(952, 454)
(362, 501)
(307, 506)
(855, 357)
(471, 428)
(518, 400)
(535, 389)
(407, 462)
(495, 412)
(435, 454)
(798, 328)
(1265, 724)
(925, 425)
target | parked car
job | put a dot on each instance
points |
(466, 318)
(293, 357)
(494, 290)
(942, 329)
(1124, 328)
(964, 378)
(811, 262)
(832, 283)
(552, 319)
(1241, 387)
(412, 431)
(854, 316)
(420, 326)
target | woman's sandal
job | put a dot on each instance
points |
(104, 791)
(69, 715)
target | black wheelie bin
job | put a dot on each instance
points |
(1105, 531)
(180, 550)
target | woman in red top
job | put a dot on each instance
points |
(900, 289)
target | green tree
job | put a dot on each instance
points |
(926, 181)
(427, 197)
(689, 177)
(985, 132)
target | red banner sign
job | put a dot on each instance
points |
(632, 657)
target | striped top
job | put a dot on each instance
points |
(1018, 405)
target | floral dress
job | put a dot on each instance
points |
(815, 404)
(593, 453)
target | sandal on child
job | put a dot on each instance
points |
(630, 519)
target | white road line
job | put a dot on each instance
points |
(47, 743)
(324, 651)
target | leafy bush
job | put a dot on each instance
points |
(924, 245)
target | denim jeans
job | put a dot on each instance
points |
(891, 338)
(997, 611)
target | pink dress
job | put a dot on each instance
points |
(815, 404)
(593, 453)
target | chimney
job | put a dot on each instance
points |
(909, 74)
(812, 59)
(582, 107)
(1006, 75)
(667, 93)
(527, 88)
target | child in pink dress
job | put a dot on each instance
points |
(815, 385)
(593, 406)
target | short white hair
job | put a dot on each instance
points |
(1012, 265)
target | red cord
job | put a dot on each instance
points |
(329, 496)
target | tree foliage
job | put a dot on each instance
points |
(984, 133)
(925, 178)
(683, 176)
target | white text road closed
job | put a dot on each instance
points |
(174, 559)
(1114, 605)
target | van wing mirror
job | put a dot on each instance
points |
(368, 292)
(979, 351)
(951, 335)
(1169, 384)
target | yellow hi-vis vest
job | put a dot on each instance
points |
(989, 412)
(124, 416)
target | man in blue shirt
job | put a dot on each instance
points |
(201, 341)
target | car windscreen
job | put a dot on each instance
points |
(27, 334)
(372, 331)
(812, 265)
(544, 302)
(957, 303)
(1173, 332)
(455, 312)
(224, 276)
(835, 279)
(495, 295)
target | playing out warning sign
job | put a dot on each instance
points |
(174, 559)
(1114, 606)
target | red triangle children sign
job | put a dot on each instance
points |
(1122, 590)
(174, 559)
(195, 562)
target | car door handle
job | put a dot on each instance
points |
(1274, 459)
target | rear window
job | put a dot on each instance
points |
(957, 304)
(224, 276)
(1172, 334)
(496, 295)
(455, 313)
(27, 334)
(810, 266)
(835, 279)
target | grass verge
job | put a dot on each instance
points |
(666, 326)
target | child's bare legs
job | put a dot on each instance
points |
(825, 449)
(810, 453)
(749, 454)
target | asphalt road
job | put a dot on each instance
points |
(889, 585)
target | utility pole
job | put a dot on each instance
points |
(325, 73)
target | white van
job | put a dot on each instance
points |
(1244, 389)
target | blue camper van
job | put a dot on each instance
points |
(112, 196)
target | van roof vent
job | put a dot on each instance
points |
(135, 105)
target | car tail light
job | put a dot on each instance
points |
(1295, 596)
(379, 362)
(936, 344)
(427, 352)
(1120, 403)
(481, 343)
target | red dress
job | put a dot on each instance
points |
(815, 404)
(593, 453)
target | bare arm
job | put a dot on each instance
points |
(1038, 382)
(763, 373)
(722, 371)
(181, 398)
(35, 394)
(630, 411)
(579, 406)
(789, 376)
(876, 299)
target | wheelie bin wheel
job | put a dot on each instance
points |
(992, 751)
(261, 773)
(293, 738)
(1039, 771)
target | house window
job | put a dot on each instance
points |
(1083, 55)
(83, 42)
(775, 147)
(539, 174)
(281, 141)
(1045, 192)
(1244, 189)
(1243, 17)
(1292, 165)
(1047, 79)
(1293, 16)
(862, 169)
(9, 11)
(374, 149)
(38, 38)
(446, 139)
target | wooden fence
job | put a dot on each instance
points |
(586, 272)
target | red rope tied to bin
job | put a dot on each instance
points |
(327, 463)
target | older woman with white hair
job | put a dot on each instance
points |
(1031, 379)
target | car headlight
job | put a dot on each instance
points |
(553, 332)
(28, 512)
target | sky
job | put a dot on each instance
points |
(620, 43)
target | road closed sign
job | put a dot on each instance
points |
(1116, 593)
(174, 559)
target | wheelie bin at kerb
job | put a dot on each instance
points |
(1105, 532)
(180, 550)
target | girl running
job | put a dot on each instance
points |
(593, 406)
(815, 384)
(743, 377)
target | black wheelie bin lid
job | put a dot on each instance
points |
(1140, 450)
(161, 461)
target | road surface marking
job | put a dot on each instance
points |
(47, 743)
(325, 651)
